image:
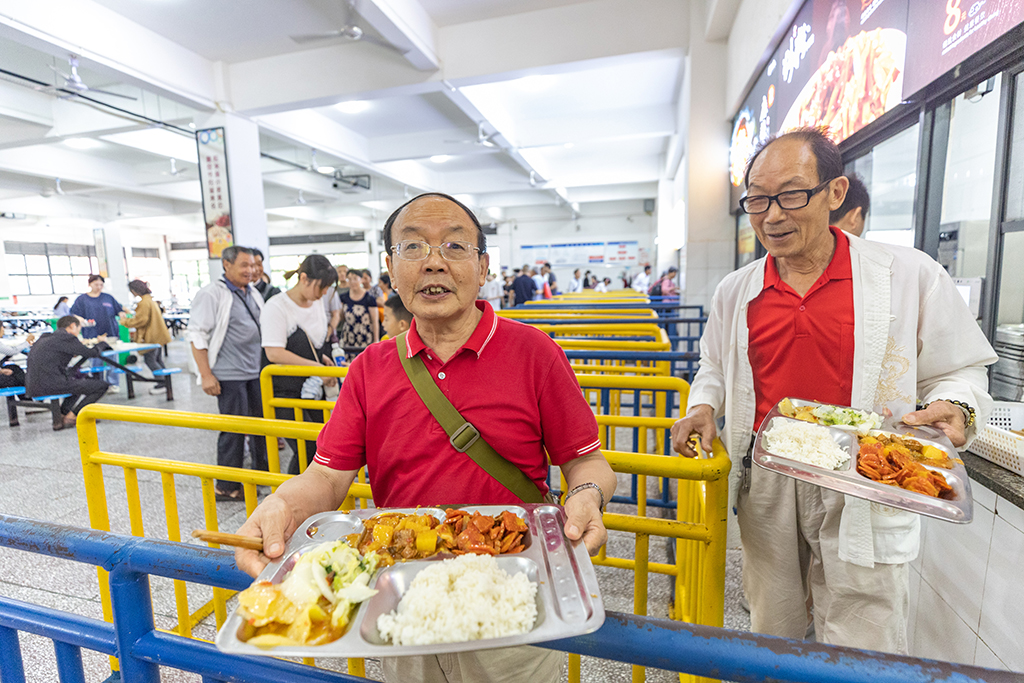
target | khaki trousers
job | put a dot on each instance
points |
(790, 535)
(506, 665)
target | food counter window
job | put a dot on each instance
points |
(969, 180)
(746, 241)
(1015, 180)
(889, 171)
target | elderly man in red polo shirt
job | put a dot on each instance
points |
(834, 318)
(509, 380)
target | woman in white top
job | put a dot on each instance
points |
(294, 332)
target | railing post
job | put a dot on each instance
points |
(12, 669)
(133, 618)
(69, 663)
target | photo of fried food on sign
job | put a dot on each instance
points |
(855, 84)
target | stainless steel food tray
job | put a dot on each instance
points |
(568, 598)
(848, 480)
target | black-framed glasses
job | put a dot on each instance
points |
(416, 250)
(788, 200)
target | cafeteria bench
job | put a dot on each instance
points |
(13, 403)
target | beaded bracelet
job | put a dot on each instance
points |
(967, 410)
(588, 485)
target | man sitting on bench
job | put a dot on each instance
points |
(48, 371)
(10, 374)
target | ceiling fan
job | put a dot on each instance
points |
(349, 31)
(482, 138)
(74, 82)
(175, 171)
(535, 181)
(302, 201)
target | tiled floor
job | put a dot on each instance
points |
(41, 478)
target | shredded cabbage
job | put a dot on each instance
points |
(863, 421)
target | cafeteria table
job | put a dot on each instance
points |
(130, 376)
(27, 323)
(176, 321)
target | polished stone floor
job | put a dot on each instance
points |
(41, 478)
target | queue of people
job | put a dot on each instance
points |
(825, 313)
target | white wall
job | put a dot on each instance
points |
(965, 598)
(710, 230)
(600, 222)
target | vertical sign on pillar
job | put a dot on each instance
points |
(213, 179)
(100, 240)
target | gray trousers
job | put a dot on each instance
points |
(790, 534)
(523, 664)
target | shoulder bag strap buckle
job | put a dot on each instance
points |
(464, 437)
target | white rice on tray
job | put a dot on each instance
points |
(804, 442)
(465, 598)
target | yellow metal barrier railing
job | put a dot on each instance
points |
(540, 313)
(298, 405)
(94, 459)
(611, 330)
(698, 595)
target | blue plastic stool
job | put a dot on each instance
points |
(39, 401)
(166, 374)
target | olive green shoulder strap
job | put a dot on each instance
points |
(463, 436)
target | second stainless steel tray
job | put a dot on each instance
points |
(847, 480)
(568, 598)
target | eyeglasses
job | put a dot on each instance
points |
(789, 200)
(415, 250)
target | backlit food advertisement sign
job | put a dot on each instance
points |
(213, 179)
(751, 126)
(945, 33)
(840, 65)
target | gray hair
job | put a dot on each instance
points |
(231, 253)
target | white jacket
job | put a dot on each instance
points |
(208, 320)
(914, 339)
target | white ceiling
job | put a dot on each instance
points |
(579, 99)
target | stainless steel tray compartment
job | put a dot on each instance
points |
(394, 581)
(847, 480)
(568, 597)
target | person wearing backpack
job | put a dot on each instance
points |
(666, 285)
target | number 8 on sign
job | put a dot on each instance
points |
(953, 16)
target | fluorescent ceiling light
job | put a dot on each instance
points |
(494, 212)
(352, 107)
(325, 169)
(158, 141)
(440, 158)
(82, 143)
(535, 83)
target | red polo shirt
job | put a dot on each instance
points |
(510, 380)
(802, 347)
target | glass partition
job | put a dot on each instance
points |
(889, 171)
(1015, 179)
(969, 180)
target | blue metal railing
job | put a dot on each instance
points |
(675, 646)
(688, 359)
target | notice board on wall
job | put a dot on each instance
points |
(577, 254)
(213, 179)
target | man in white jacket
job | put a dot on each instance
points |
(834, 318)
(224, 329)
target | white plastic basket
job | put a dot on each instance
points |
(999, 445)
